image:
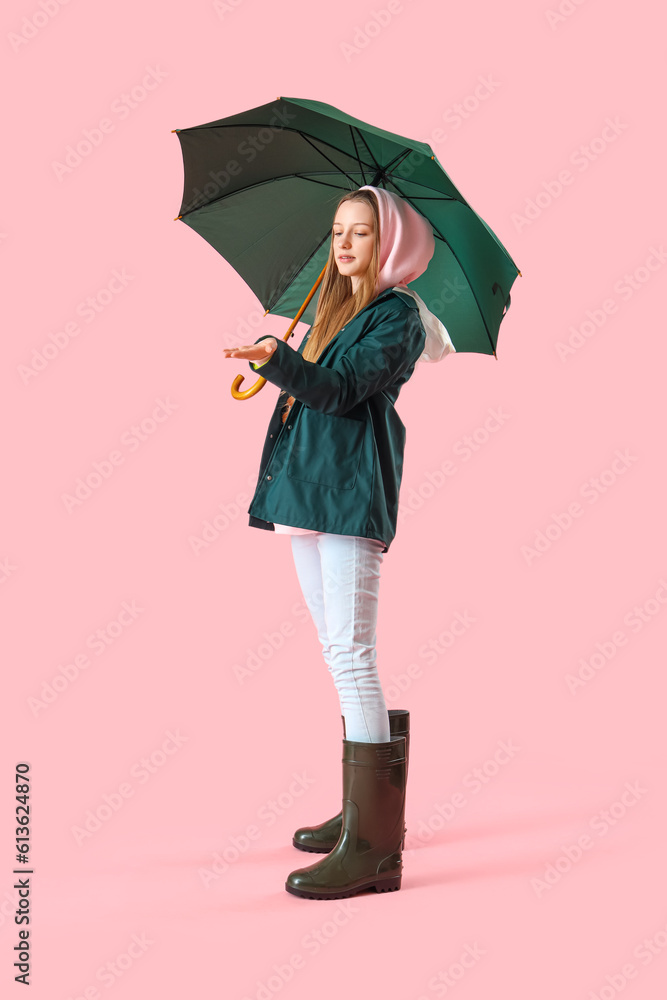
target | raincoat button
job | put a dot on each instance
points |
(289, 427)
(268, 477)
(270, 435)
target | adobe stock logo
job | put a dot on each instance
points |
(446, 979)
(591, 491)
(88, 309)
(32, 24)
(312, 943)
(221, 8)
(116, 967)
(122, 106)
(602, 823)
(251, 146)
(7, 569)
(625, 288)
(103, 468)
(430, 651)
(99, 641)
(111, 802)
(365, 33)
(581, 158)
(412, 498)
(565, 9)
(226, 513)
(474, 781)
(606, 649)
(646, 951)
(240, 843)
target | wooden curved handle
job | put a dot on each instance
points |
(238, 393)
(246, 393)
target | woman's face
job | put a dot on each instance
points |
(353, 236)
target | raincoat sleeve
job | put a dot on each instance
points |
(387, 349)
(258, 364)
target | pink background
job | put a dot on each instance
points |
(491, 869)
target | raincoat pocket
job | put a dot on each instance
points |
(326, 449)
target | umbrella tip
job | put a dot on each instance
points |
(176, 130)
(520, 274)
(178, 217)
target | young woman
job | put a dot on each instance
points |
(330, 476)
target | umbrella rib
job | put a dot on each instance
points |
(361, 167)
(284, 128)
(447, 197)
(392, 164)
(260, 183)
(388, 166)
(296, 131)
(345, 152)
(370, 153)
(307, 261)
(328, 158)
(381, 172)
(312, 139)
(303, 177)
(381, 175)
(463, 270)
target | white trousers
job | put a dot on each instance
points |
(339, 577)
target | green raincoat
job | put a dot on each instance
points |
(336, 463)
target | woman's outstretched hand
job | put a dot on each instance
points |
(252, 352)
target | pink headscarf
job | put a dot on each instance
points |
(406, 240)
(406, 247)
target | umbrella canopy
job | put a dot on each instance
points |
(262, 187)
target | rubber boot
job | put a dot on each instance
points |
(368, 852)
(323, 838)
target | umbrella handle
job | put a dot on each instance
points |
(237, 392)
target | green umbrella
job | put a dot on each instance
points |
(262, 186)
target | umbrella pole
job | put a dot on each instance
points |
(247, 393)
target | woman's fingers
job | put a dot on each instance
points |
(252, 351)
(234, 352)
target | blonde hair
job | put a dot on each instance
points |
(337, 303)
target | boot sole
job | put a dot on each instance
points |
(380, 885)
(313, 850)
